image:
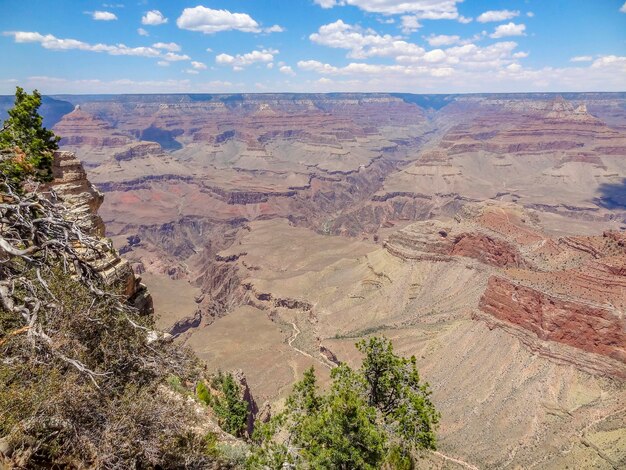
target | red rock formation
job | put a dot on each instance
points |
(547, 291)
(591, 328)
(80, 128)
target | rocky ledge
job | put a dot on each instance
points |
(563, 297)
(76, 192)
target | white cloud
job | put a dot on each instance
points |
(270, 65)
(274, 29)
(59, 85)
(623, 8)
(287, 70)
(410, 24)
(365, 43)
(497, 15)
(422, 9)
(142, 32)
(326, 3)
(530, 14)
(51, 42)
(163, 63)
(153, 18)
(103, 16)
(436, 55)
(509, 29)
(581, 58)
(209, 21)
(514, 68)
(611, 61)
(168, 46)
(607, 73)
(198, 65)
(442, 40)
(191, 71)
(317, 66)
(240, 61)
(172, 57)
(361, 42)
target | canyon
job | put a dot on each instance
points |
(483, 234)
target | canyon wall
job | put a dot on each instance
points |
(481, 233)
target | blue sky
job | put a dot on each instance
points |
(419, 46)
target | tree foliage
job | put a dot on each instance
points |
(31, 144)
(229, 406)
(378, 414)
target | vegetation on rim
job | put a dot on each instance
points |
(380, 414)
(31, 143)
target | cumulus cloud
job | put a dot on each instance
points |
(287, 70)
(209, 21)
(497, 15)
(198, 65)
(437, 40)
(361, 42)
(326, 3)
(142, 32)
(239, 61)
(606, 72)
(103, 16)
(168, 46)
(610, 62)
(153, 18)
(409, 24)
(51, 42)
(509, 29)
(274, 29)
(421, 9)
(581, 58)
(623, 8)
(366, 43)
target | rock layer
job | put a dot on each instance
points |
(76, 192)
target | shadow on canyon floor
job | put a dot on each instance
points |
(612, 196)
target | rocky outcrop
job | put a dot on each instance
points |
(562, 297)
(74, 190)
(437, 241)
(80, 128)
(592, 328)
(72, 186)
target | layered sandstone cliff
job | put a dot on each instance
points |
(75, 191)
(563, 297)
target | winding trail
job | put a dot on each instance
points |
(457, 461)
(290, 341)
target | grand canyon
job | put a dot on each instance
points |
(482, 233)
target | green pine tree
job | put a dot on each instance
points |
(32, 144)
(380, 414)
